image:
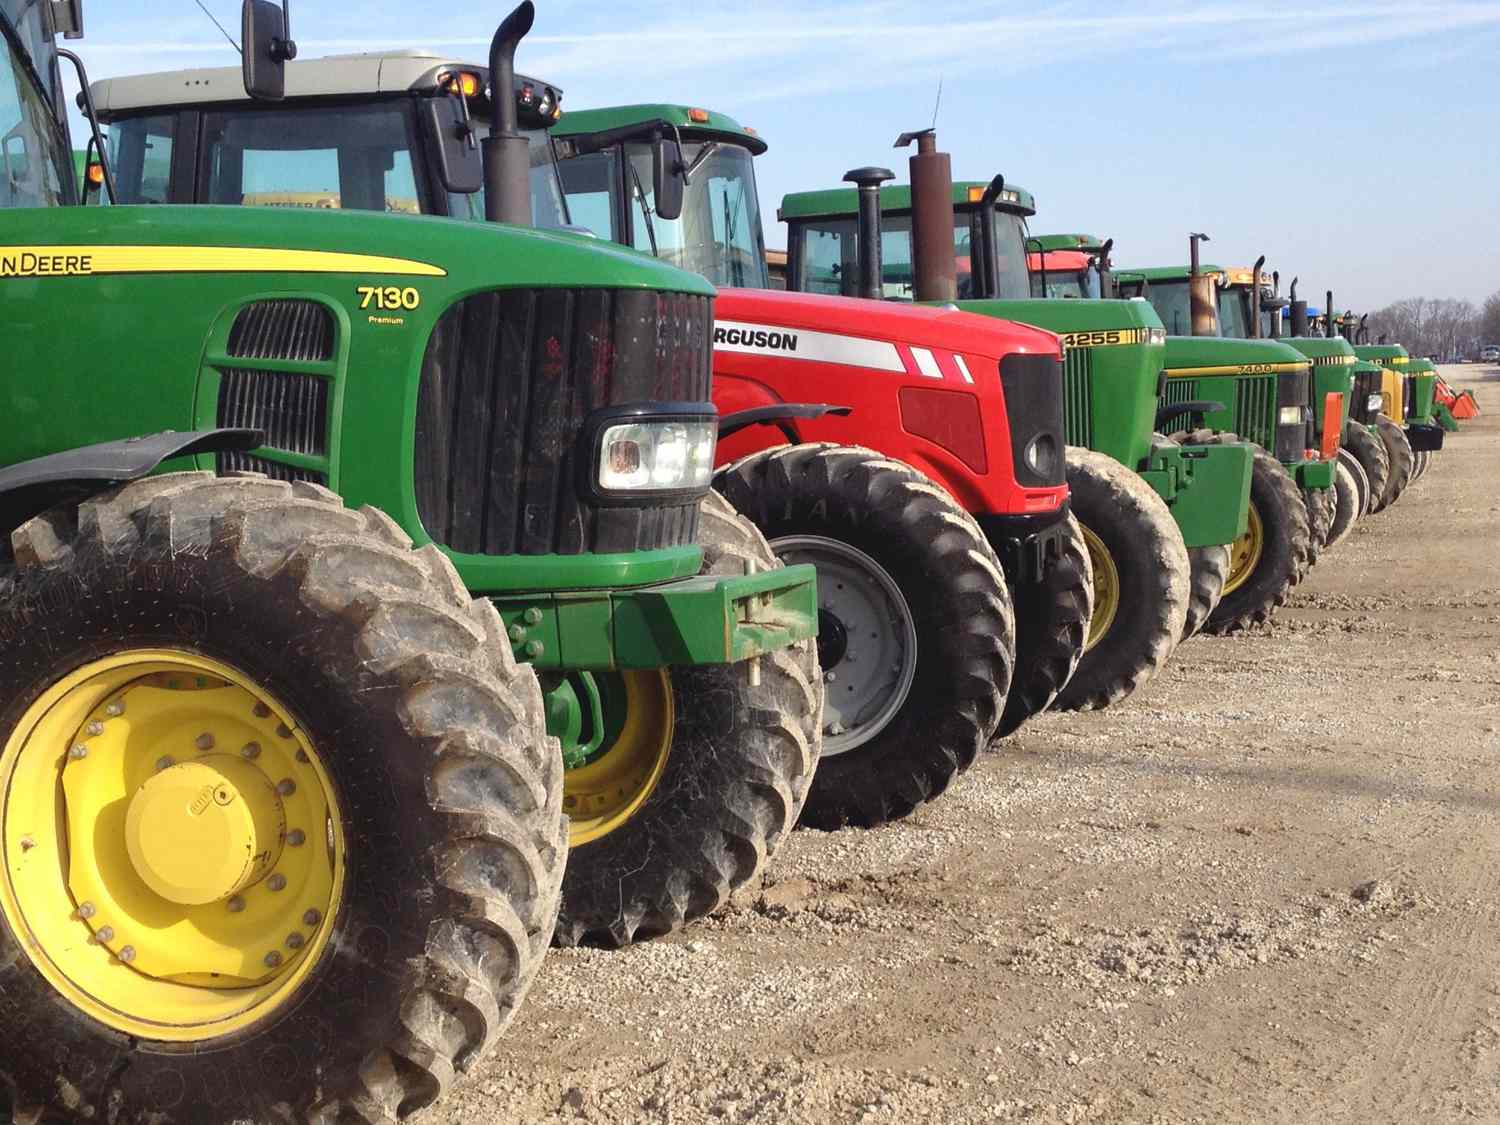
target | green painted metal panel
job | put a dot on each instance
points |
(1211, 496)
(610, 119)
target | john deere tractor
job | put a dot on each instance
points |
(281, 823)
(1115, 352)
(926, 657)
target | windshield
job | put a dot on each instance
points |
(1171, 301)
(36, 161)
(1014, 283)
(1234, 313)
(718, 235)
(548, 209)
(1078, 284)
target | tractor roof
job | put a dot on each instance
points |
(894, 199)
(357, 75)
(1051, 242)
(1157, 274)
(626, 120)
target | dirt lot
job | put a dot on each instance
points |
(1261, 890)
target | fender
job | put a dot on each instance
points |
(30, 488)
(779, 414)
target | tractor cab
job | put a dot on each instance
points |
(1069, 265)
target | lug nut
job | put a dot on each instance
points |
(283, 730)
(533, 616)
(262, 711)
(250, 751)
(94, 729)
(296, 837)
(204, 742)
(164, 763)
(295, 941)
(235, 905)
(303, 758)
(829, 677)
(286, 787)
(115, 709)
(311, 918)
(534, 649)
(85, 910)
(276, 882)
(273, 959)
(105, 935)
(517, 633)
(78, 753)
(127, 954)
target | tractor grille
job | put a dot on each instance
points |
(1366, 383)
(509, 379)
(290, 408)
(1175, 391)
(1033, 387)
(1078, 396)
(1255, 409)
(1293, 440)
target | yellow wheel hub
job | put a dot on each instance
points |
(601, 796)
(1245, 552)
(172, 852)
(1106, 588)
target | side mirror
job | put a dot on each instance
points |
(266, 49)
(460, 167)
(666, 180)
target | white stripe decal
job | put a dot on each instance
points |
(963, 368)
(927, 363)
(798, 343)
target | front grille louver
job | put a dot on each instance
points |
(509, 379)
(290, 408)
(1078, 397)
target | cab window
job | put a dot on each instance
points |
(35, 161)
(140, 156)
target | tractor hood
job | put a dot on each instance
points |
(1210, 355)
(1067, 316)
(86, 241)
(881, 334)
(1320, 349)
(1391, 355)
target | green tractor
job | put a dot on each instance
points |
(363, 508)
(1115, 405)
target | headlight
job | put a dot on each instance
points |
(1041, 455)
(1290, 416)
(1376, 402)
(657, 455)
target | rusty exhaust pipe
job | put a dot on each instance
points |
(934, 265)
(1203, 315)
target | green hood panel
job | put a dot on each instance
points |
(1377, 353)
(1066, 315)
(1319, 347)
(1198, 352)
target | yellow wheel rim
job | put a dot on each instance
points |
(1245, 552)
(601, 796)
(1106, 588)
(172, 850)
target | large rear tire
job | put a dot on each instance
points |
(727, 754)
(1347, 501)
(1274, 553)
(1371, 453)
(1361, 480)
(1052, 628)
(1142, 580)
(1398, 452)
(356, 715)
(1210, 572)
(917, 632)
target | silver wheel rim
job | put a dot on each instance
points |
(871, 677)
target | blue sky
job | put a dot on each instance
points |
(1354, 142)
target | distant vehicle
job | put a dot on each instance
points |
(1490, 353)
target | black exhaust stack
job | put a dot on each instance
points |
(933, 262)
(507, 154)
(1276, 312)
(1363, 335)
(1107, 288)
(1255, 297)
(1328, 329)
(867, 234)
(986, 271)
(1299, 312)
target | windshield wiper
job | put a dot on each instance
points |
(736, 267)
(640, 196)
(703, 154)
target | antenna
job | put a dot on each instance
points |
(220, 26)
(939, 103)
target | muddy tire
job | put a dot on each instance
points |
(1347, 499)
(446, 793)
(744, 747)
(1398, 452)
(1322, 507)
(1420, 460)
(1052, 626)
(1275, 552)
(1371, 453)
(1356, 471)
(1142, 581)
(1210, 570)
(917, 632)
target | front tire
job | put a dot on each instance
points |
(1398, 451)
(1322, 507)
(917, 632)
(1141, 581)
(367, 727)
(1361, 481)
(731, 752)
(1347, 501)
(1371, 453)
(1210, 572)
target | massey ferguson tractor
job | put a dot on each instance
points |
(282, 830)
(914, 456)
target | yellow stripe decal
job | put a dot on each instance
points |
(1106, 337)
(89, 261)
(1335, 361)
(1237, 369)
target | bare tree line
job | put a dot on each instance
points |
(1439, 327)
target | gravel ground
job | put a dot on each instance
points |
(1260, 890)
